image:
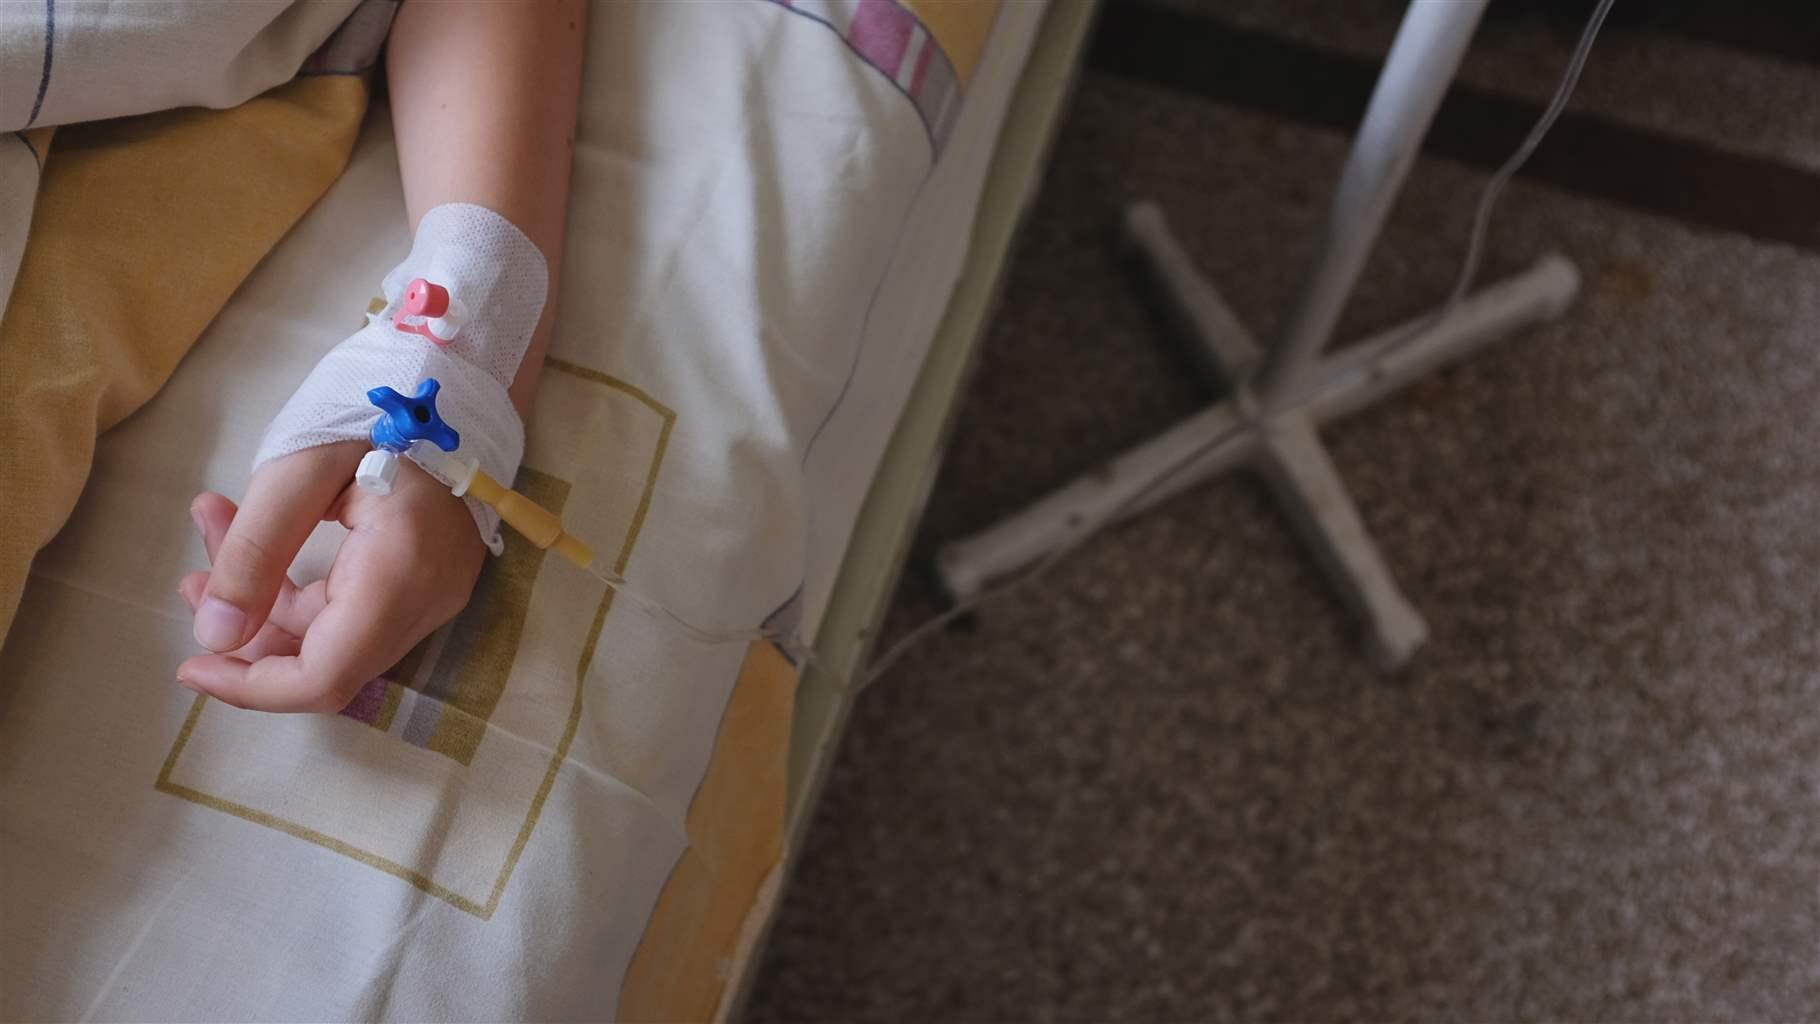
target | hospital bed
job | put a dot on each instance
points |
(788, 226)
(887, 521)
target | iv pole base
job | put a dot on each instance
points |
(1283, 444)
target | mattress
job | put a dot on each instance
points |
(575, 814)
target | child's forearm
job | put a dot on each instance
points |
(483, 96)
(483, 100)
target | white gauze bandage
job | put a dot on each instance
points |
(498, 280)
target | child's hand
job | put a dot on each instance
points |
(406, 568)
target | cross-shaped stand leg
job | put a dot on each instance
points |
(1277, 399)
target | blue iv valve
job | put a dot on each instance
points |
(403, 421)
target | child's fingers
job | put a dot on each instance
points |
(295, 607)
(213, 514)
(298, 607)
(191, 586)
(347, 646)
(226, 678)
(289, 618)
(271, 642)
(283, 504)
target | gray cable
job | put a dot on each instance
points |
(1481, 221)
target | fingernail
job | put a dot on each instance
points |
(196, 517)
(186, 684)
(219, 625)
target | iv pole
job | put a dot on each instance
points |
(1278, 399)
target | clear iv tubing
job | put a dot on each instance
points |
(623, 587)
(804, 656)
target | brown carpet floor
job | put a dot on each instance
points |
(1161, 784)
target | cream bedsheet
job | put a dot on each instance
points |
(559, 808)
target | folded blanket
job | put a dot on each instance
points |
(141, 227)
(65, 63)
